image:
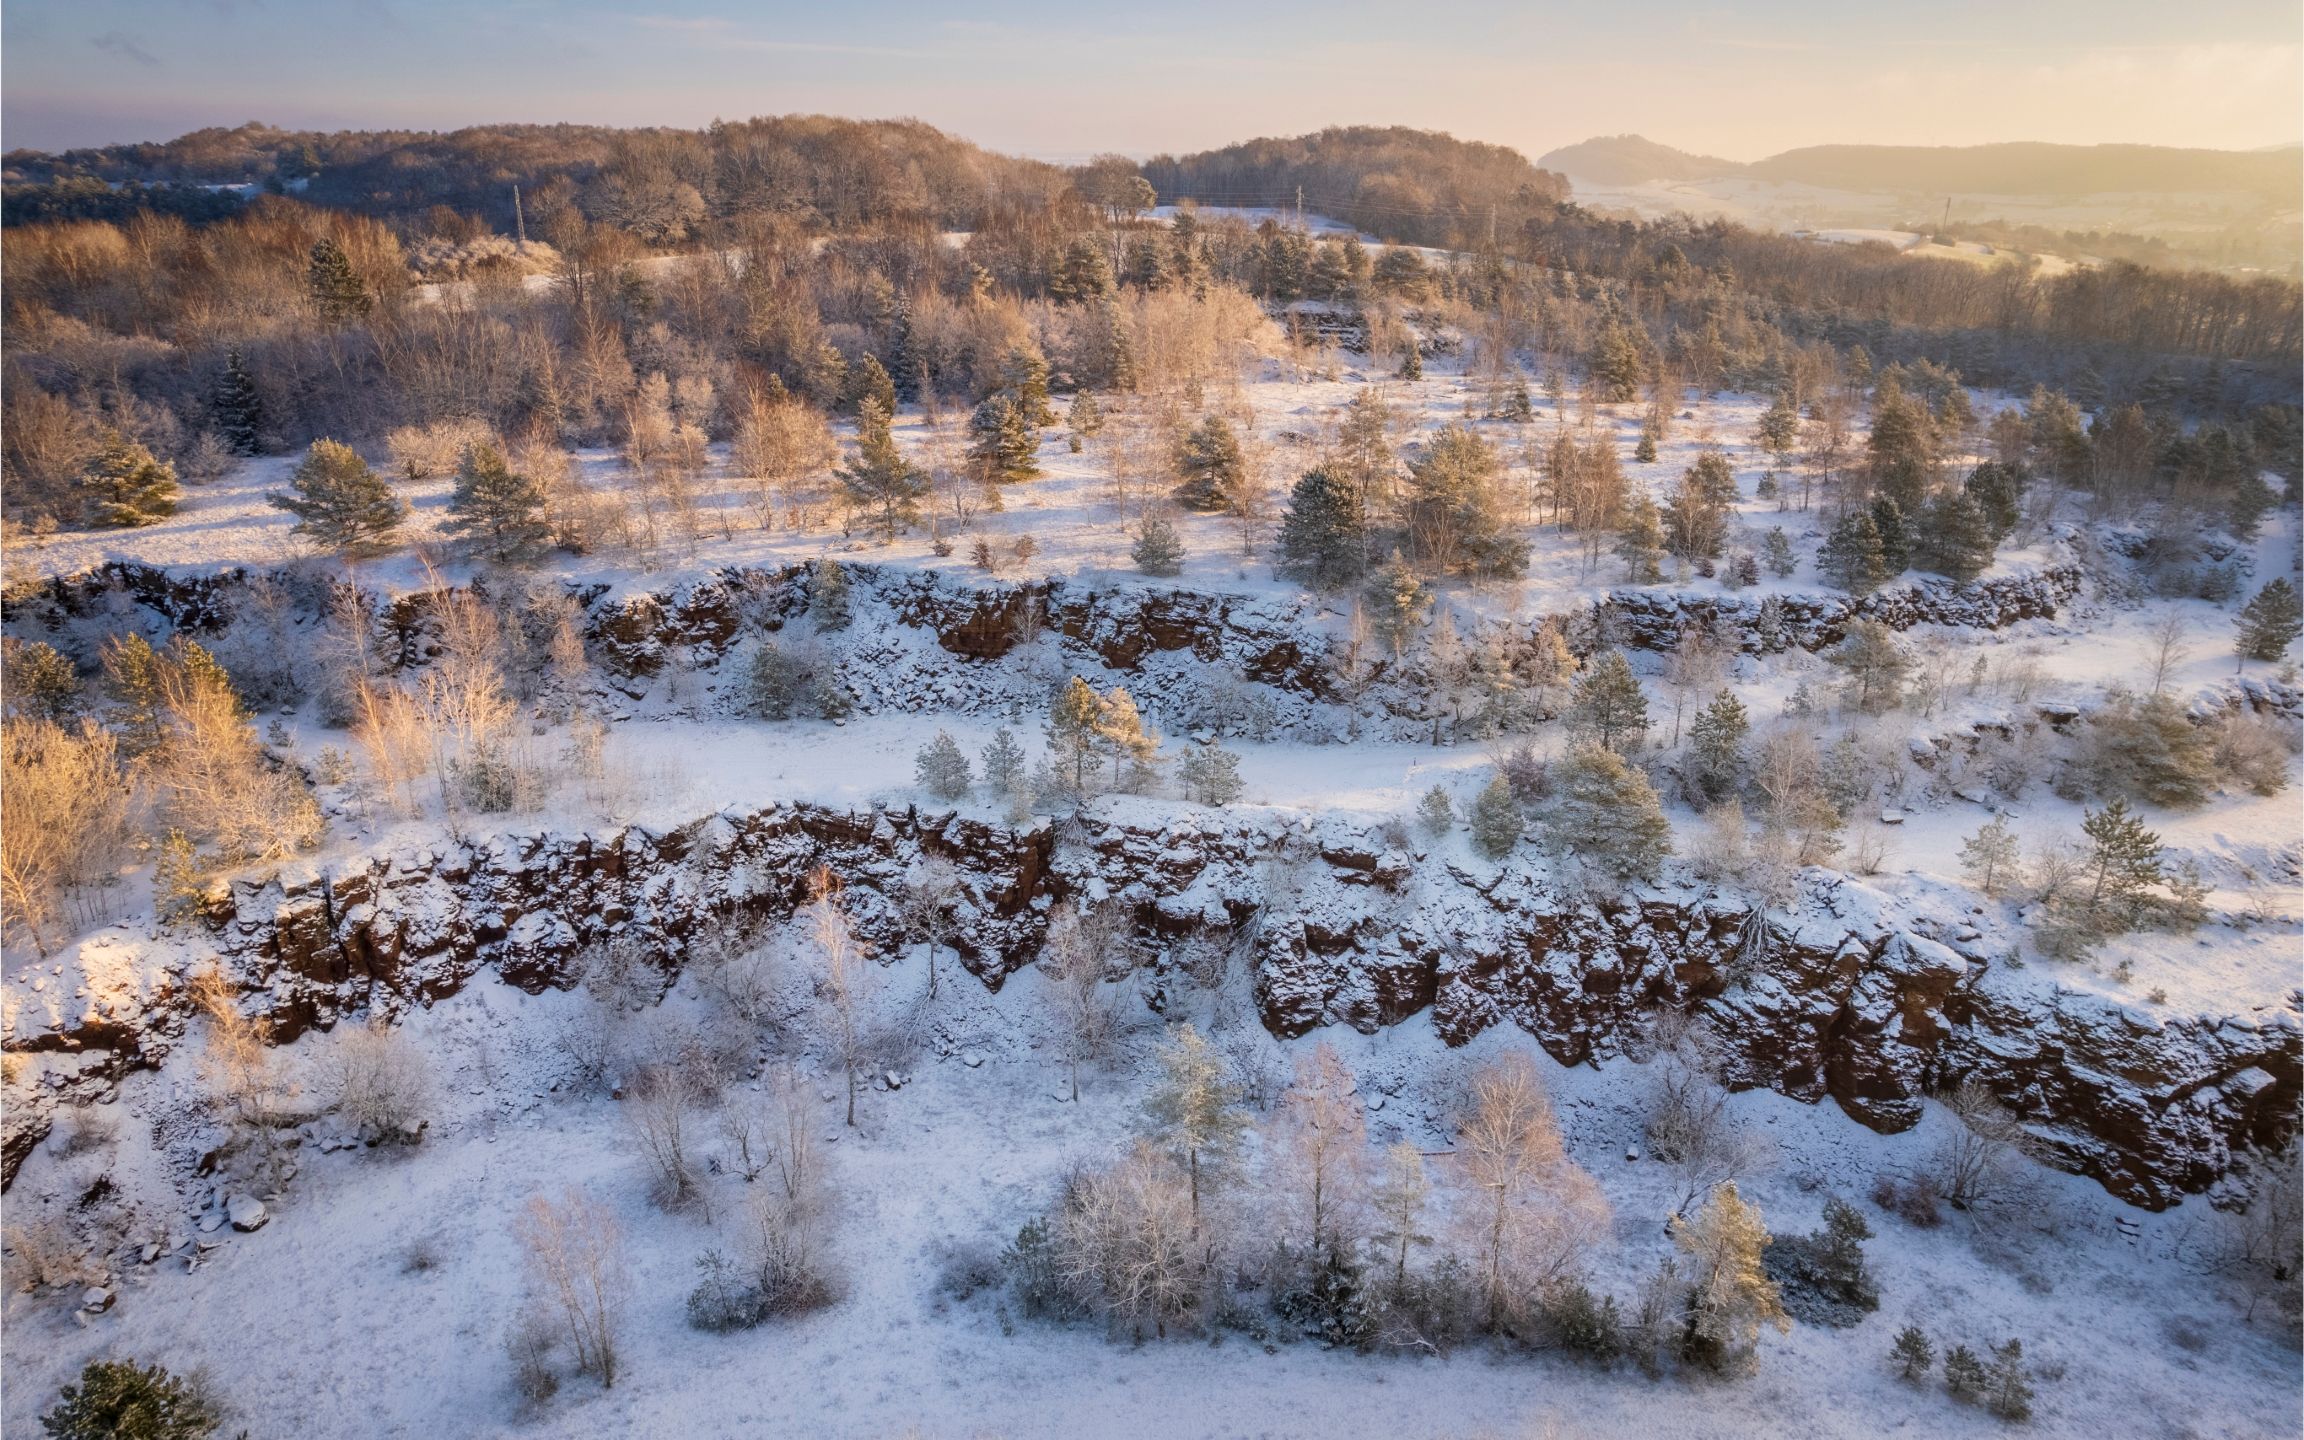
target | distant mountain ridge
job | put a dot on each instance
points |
(2012, 168)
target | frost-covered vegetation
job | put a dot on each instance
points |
(1577, 559)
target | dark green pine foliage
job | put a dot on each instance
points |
(1716, 747)
(905, 364)
(879, 479)
(2270, 623)
(1998, 490)
(126, 487)
(1956, 538)
(1158, 549)
(1852, 558)
(1608, 704)
(499, 511)
(236, 410)
(1212, 467)
(1324, 535)
(1412, 361)
(1024, 376)
(868, 380)
(337, 289)
(1823, 1277)
(1005, 449)
(121, 1400)
(1895, 538)
(828, 603)
(340, 503)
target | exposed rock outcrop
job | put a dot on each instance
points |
(1848, 996)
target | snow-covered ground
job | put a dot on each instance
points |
(317, 1325)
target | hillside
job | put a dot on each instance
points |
(1633, 160)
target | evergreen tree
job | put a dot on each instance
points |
(2008, 1384)
(499, 512)
(1956, 539)
(1640, 542)
(340, 503)
(1024, 376)
(1398, 603)
(1122, 734)
(1780, 426)
(1158, 549)
(1514, 403)
(878, 479)
(125, 487)
(1768, 626)
(1964, 1374)
(1900, 448)
(1895, 538)
(1082, 274)
(2270, 623)
(1852, 558)
(1085, 417)
(1210, 774)
(1074, 721)
(828, 597)
(336, 289)
(1606, 813)
(121, 1400)
(237, 411)
(2123, 862)
(2148, 749)
(1436, 813)
(1495, 820)
(868, 381)
(1003, 764)
(1989, 856)
(1411, 359)
(1456, 519)
(1776, 549)
(1615, 365)
(1875, 665)
(1195, 1111)
(907, 367)
(1607, 705)
(38, 682)
(1716, 747)
(941, 769)
(1998, 491)
(1644, 450)
(1324, 536)
(1729, 1294)
(1005, 449)
(1912, 1355)
(1823, 1277)
(1213, 469)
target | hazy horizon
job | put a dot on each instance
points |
(1739, 82)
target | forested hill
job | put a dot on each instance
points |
(662, 185)
(1413, 186)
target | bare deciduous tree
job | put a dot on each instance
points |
(844, 975)
(1526, 1211)
(1319, 1148)
(575, 1258)
(1075, 967)
(379, 1079)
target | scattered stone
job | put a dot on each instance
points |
(97, 1299)
(972, 1058)
(211, 1222)
(248, 1213)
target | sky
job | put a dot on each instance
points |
(1062, 81)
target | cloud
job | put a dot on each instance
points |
(114, 42)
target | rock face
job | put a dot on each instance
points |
(1846, 996)
(1818, 620)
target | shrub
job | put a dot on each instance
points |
(1588, 1328)
(1822, 1276)
(121, 1400)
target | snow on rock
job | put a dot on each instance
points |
(1845, 995)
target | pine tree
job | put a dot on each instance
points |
(1398, 603)
(1158, 549)
(120, 1400)
(1912, 1355)
(1716, 747)
(1411, 360)
(1210, 774)
(1436, 813)
(1644, 450)
(868, 381)
(828, 597)
(1456, 518)
(1640, 542)
(879, 479)
(2270, 623)
(1956, 538)
(2123, 862)
(336, 288)
(1003, 764)
(1074, 719)
(1895, 536)
(125, 487)
(1122, 734)
(499, 512)
(1024, 377)
(1729, 1295)
(1780, 426)
(1195, 1111)
(1608, 704)
(1615, 365)
(236, 410)
(1085, 417)
(941, 769)
(1606, 812)
(1964, 1374)
(1324, 535)
(1998, 491)
(38, 682)
(1495, 820)
(1852, 558)
(340, 503)
(2008, 1384)
(1776, 549)
(176, 883)
(1989, 856)
(1768, 626)
(1005, 450)
(1875, 664)
(1210, 462)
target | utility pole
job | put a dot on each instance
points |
(1299, 207)
(519, 221)
(1947, 215)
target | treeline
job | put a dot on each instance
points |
(1414, 187)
